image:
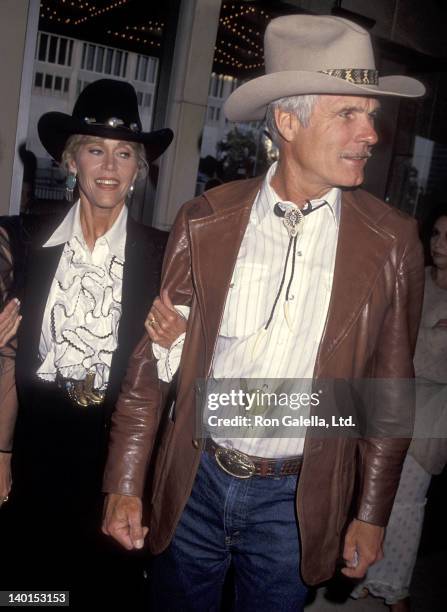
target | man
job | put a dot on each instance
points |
(338, 299)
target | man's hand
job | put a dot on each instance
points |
(363, 547)
(122, 520)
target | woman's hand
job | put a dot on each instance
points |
(9, 321)
(5, 477)
(164, 323)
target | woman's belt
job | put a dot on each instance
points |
(81, 392)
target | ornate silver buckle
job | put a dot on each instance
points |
(234, 462)
(113, 122)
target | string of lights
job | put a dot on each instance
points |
(49, 12)
(96, 13)
(157, 27)
(239, 44)
(124, 36)
(226, 52)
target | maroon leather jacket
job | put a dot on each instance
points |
(370, 332)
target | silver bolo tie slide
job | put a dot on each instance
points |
(293, 220)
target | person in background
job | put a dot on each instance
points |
(9, 322)
(427, 455)
(29, 162)
(85, 287)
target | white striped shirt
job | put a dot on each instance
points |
(243, 351)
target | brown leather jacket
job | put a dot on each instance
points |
(370, 332)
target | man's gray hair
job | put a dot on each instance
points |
(301, 106)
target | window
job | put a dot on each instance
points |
(55, 84)
(43, 41)
(104, 60)
(90, 57)
(153, 66)
(216, 86)
(80, 86)
(117, 67)
(62, 51)
(108, 66)
(99, 59)
(140, 98)
(147, 100)
(210, 88)
(52, 50)
(146, 69)
(70, 52)
(142, 67)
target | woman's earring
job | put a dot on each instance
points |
(70, 184)
(130, 192)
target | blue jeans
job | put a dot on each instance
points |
(250, 524)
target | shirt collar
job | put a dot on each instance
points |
(267, 198)
(71, 228)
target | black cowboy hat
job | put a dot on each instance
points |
(106, 108)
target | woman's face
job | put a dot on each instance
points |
(105, 170)
(438, 243)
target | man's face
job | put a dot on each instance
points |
(334, 148)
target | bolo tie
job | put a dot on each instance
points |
(293, 220)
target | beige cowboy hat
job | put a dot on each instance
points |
(309, 54)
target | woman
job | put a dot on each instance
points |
(88, 282)
(9, 322)
(390, 578)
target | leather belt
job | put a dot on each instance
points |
(240, 465)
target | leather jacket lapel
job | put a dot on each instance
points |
(215, 243)
(361, 252)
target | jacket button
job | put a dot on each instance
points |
(195, 443)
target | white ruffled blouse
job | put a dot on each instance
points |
(80, 324)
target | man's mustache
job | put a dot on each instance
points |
(356, 155)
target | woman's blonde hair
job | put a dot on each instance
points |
(77, 140)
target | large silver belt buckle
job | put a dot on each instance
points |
(235, 463)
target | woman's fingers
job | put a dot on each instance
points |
(163, 323)
(167, 300)
(9, 321)
(149, 325)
